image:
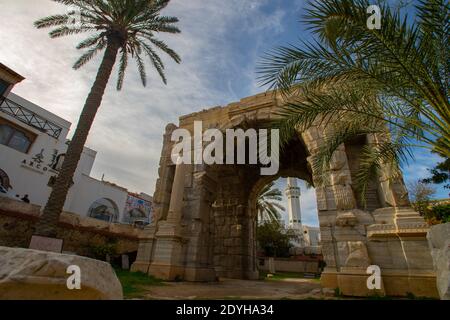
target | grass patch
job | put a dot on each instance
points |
(134, 283)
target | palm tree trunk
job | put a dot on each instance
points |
(47, 224)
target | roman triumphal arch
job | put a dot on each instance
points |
(205, 215)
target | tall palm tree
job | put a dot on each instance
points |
(391, 83)
(119, 27)
(268, 205)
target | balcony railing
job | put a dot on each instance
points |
(30, 118)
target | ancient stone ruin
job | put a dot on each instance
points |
(205, 215)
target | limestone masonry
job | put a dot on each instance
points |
(205, 216)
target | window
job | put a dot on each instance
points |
(3, 87)
(15, 138)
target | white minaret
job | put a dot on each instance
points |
(293, 195)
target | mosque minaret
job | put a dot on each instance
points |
(293, 198)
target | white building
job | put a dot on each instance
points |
(308, 236)
(312, 236)
(33, 142)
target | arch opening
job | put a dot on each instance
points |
(291, 242)
(235, 209)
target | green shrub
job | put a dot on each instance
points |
(134, 284)
(100, 252)
(273, 239)
(441, 212)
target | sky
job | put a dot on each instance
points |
(220, 44)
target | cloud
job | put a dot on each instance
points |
(219, 45)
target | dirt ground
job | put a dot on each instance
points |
(237, 289)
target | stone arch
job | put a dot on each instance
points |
(204, 225)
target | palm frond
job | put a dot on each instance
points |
(87, 56)
(369, 82)
(133, 24)
(267, 203)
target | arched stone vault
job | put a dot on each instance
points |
(204, 224)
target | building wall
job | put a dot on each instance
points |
(286, 265)
(26, 175)
(81, 235)
(87, 190)
(141, 203)
(312, 236)
(31, 176)
(308, 237)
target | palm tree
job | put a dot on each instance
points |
(268, 205)
(119, 27)
(390, 83)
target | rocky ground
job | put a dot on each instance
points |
(238, 289)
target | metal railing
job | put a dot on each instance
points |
(30, 118)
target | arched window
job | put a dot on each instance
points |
(14, 138)
(104, 209)
(4, 180)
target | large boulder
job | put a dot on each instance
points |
(31, 274)
(439, 241)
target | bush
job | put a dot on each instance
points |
(434, 212)
(273, 239)
(440, 212)
(100, 252)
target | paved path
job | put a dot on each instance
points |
(236, 289)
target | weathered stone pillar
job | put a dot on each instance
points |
(168, 262)
(176, 198)
(161, 201)
(348, 233)
(145, 250)
(398, 244)
(342, 225)
(198, 215)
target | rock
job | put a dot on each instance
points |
(439, 241)
(358, 255)
(317, 291)
(347, 218)
(328, 292)
(31, 275)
